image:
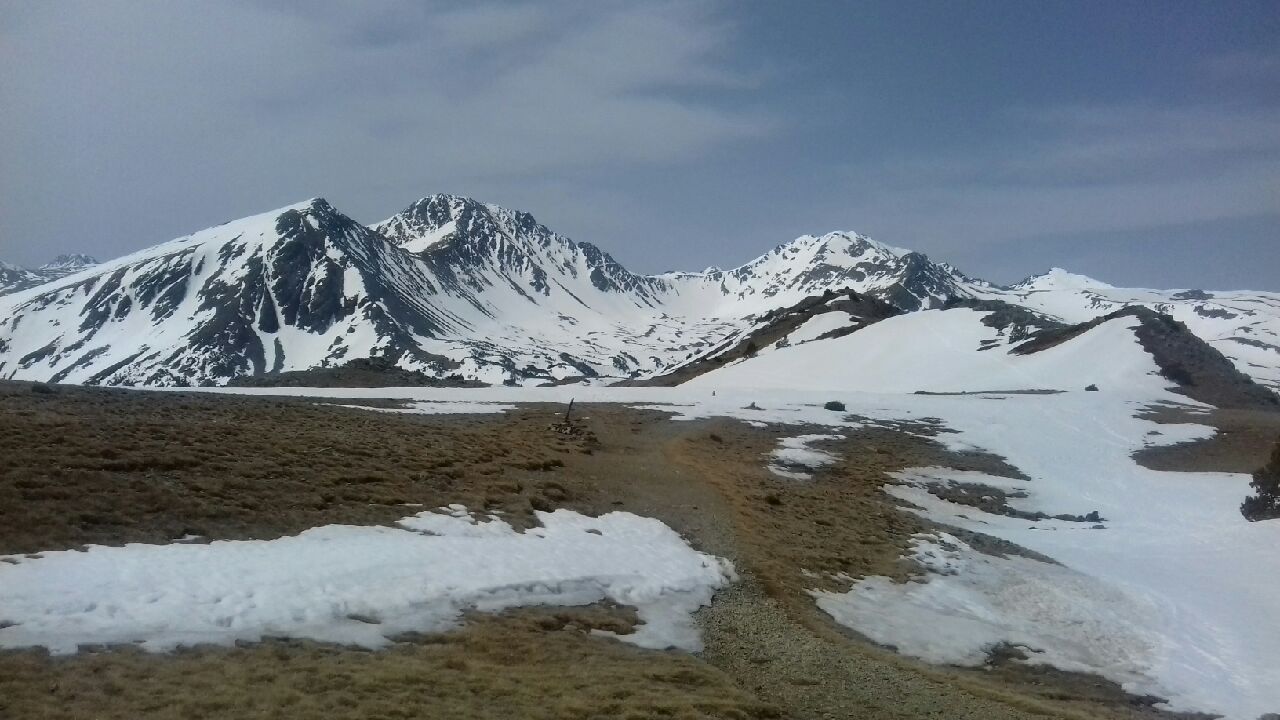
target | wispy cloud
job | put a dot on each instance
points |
(1129, 140)
(248, 104)
(1080, 169)
(676, 134)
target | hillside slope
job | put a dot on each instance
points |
(1243, 325)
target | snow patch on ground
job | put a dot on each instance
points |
(819, 325)
(357, 585)
(450, 407)
(1176, 562)
(968, 603)
(795, 459)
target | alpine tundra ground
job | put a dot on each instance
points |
(95, 466)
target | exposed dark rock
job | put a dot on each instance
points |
(1203, 311)
(1251, 342)
(994, 500)
(360, 372)
(1016, 323)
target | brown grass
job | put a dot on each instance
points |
(841, 522)
(103, 466)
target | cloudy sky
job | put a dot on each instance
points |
(1135, 142)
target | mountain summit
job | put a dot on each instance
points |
(453, 286)
(67, 264)
(14, 278)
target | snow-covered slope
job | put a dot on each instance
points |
(944, 351)
(1242, 325)
(451, 286)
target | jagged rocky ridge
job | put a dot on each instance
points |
(451, 287)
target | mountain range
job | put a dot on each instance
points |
(14, 278)
(455, 288)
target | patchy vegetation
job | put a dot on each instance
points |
(1264, 504)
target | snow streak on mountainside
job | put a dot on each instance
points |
(454, 287)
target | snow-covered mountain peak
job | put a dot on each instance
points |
(479, 245)
(316, 212)
(837, 249)
(849, 242)
(68, 263)
(443, 218)
(1059, 279)
(287, 289)
(814, 264)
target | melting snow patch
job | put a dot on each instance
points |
(819, 325)
(357, 585)
(444, 407)
(969, 603)
(795, 458)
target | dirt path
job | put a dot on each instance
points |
(707, 479)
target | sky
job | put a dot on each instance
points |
(1135, 142)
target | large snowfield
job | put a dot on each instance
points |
(1171, 593)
